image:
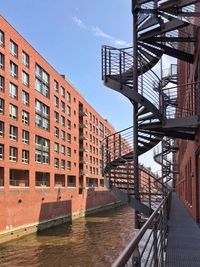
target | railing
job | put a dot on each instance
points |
(42, 183)
(19, 183)
(117, 160)
(71, 184)
(1, 182)
(170, 72)
(118, 63)
(180, 101)
(149, 245)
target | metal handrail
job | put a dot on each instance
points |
(125, 256)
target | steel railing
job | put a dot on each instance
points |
(149, 245)
(118, 63)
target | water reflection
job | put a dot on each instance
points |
(93, 241)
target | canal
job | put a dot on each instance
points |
(92, 241)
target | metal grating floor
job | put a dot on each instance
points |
(183, 249)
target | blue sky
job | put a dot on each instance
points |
(69, 35)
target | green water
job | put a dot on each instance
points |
(93, 241)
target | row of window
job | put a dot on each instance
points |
(14, 49)
(42, 85)
(13, 154)
(42, 76)
(41, 156)
(14, 70)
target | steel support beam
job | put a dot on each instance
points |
(135, 108)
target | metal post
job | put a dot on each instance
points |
(135, 107)
(155, 241)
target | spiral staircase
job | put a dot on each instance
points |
(162, 28)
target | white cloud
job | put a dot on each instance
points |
(98, 32)
(121, 43)
(79, 22)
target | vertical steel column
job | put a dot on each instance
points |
(135, 107)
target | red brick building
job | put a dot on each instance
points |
(49, 140)
(188, 154)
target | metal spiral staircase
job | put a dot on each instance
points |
(162, 27)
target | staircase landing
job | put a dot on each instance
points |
(184, 237)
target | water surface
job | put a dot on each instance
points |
(92, 241)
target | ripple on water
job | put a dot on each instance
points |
(92, 241)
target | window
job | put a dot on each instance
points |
(25, 78)
(42, 88)
(13, 91)
(56, 163)
(25, 156)
(25, 137)
(63, 135)
(63, 120)
(13, 154)
(56, 147)
(56, 101)
(69, 138)
(101, 129)
(62, 164)
(42, 81)
(25, 59)
(69, 151)
(25, 98)
(13, 70)
(62, 91)
(42, 150)
(68, 111)
(68, 124)
(2, 84)
(68, 97)
(63, 149)
(41, 109)
(25, 117)
(56, 132)
(13, 133)
(1, 106)
(13, 48)
(1, 61)
(69, 165)
(2, 39)
(1, 128)
(62, 106)
(56, 117)
(56, 86)
(42, 115)
(1, 151)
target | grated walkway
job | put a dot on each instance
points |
(183, 248)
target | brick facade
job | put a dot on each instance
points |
(52, 164)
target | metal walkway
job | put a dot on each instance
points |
(183, 247)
